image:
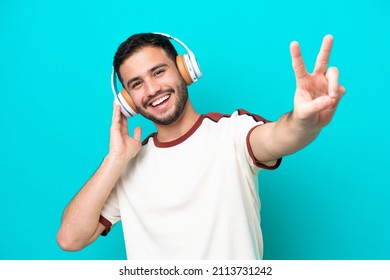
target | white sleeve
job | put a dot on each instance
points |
(244, 123)
(110, 214)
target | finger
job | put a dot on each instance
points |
(137, 133)
(324, 54)
(124, 126)
(342, 90)
(297, 61)
(315, 106)
(333, 82)
(115, 113)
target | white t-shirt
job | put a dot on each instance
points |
(192, 198)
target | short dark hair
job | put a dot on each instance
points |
(137, 41)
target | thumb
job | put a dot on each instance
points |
(315, 106)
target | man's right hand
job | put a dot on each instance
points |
(80, 224)
(122, 146)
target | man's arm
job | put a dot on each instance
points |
(80, 222)
(316, 98)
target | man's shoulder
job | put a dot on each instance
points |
(239, 113)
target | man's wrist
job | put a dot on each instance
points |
(303, 126)
(113, 159)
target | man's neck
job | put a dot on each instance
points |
(167, 133)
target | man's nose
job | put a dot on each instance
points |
(152, 86)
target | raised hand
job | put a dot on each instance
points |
(317, 94)
(122, 146)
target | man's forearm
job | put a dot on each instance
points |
(288, 137)
(81, 217)
(277, 139)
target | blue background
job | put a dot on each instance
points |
(329, 201)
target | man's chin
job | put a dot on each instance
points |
(168, 120)
(163, 119)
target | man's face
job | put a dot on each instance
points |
(154, 82)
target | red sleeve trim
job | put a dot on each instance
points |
(216, 117)
(255, 161)
(257, 118)
(105, 223)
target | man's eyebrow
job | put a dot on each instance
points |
(149, 71)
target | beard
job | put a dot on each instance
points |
(182, 98)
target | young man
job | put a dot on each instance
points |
(189, 191)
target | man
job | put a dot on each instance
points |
(189, 191)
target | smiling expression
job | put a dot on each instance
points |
(155, 85)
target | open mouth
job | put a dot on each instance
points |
(160, 101)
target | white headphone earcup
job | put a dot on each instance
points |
(195, 65)
(192, 72)
(122, 98)
(127, 105)
(190, 67)
(183, 69)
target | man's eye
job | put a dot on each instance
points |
(159, 72)
(135, 85)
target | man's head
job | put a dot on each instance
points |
(146, 66)
(138, 41)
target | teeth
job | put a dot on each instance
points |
(160, 100)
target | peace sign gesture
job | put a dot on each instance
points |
(317, 94)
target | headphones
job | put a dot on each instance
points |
(188, 67)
